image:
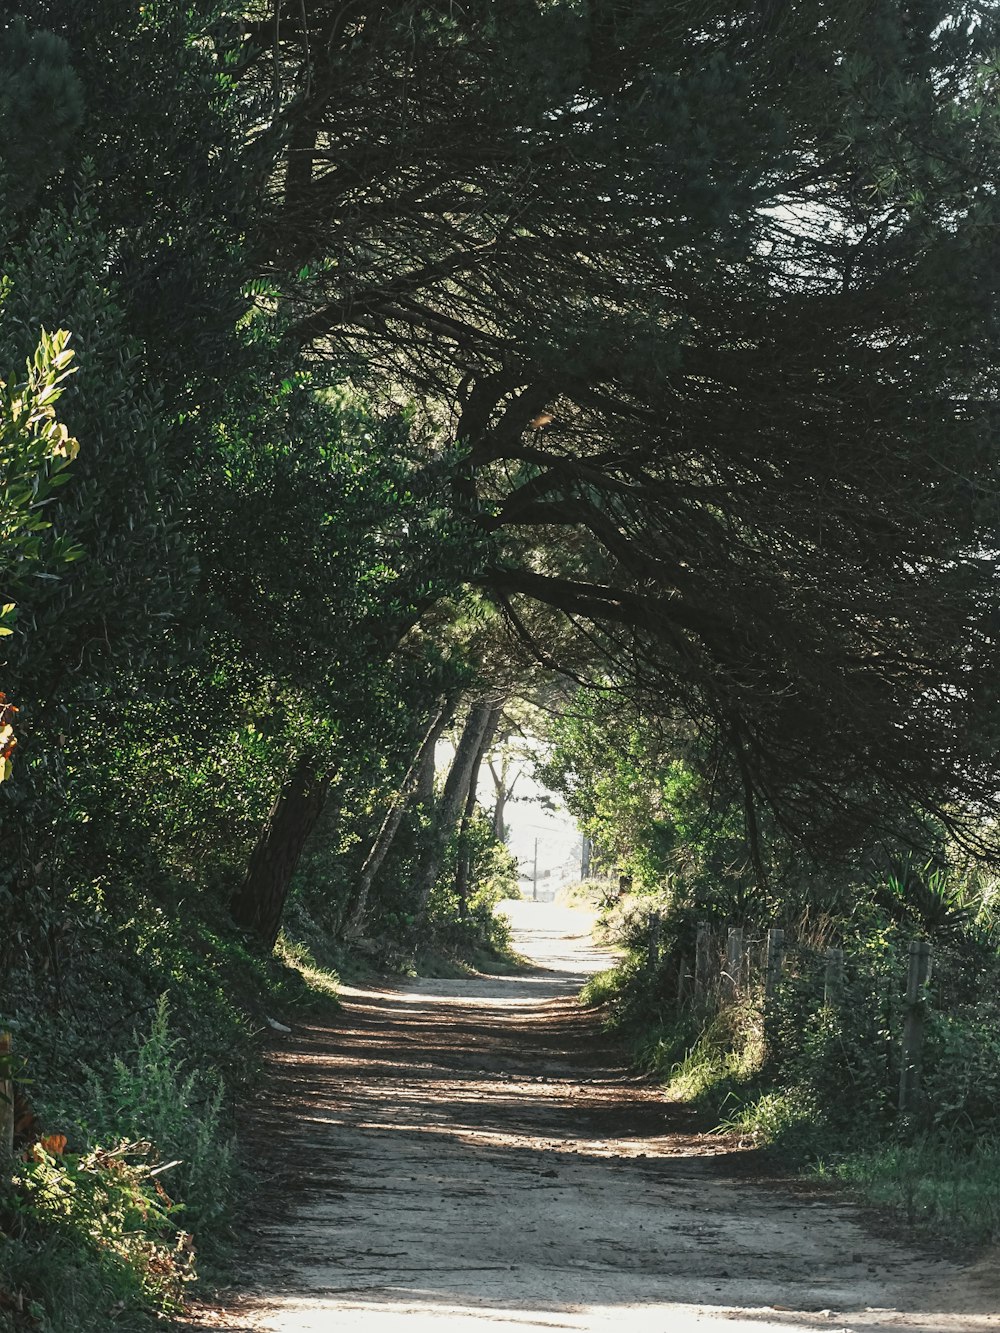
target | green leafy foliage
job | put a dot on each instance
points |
(473, 926)
(935, 901)
(35, 450)
(106, 1202)
(660, 806)
(152, 1095)
(41, 108)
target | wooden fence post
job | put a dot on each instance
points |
(885, 993)
(6, 1097)
(732, 983)
(681, 980)
(917, 975)
(773, 959)
(701, 965)
(653, 946)
(833, 977)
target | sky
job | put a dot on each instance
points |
(529, 817)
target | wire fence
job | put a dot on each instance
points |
(886, 1000)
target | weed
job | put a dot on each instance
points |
(941, 1185)
(102, 1224)
(152, 1096)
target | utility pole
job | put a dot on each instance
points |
(534, 879)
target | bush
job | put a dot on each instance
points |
(822, 1079)
(108, 1202)
(962, 1070)
(90, 1238)
(466, 928)
(151, 1096)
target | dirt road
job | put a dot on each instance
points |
(468, 1155)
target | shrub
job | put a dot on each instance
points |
(152, 1097)
(89, 1240)
(109, 1202)
(465, 928)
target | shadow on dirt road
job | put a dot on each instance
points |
(457, 1155)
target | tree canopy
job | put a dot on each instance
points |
(654, 347)
(429, 356)
(707, 298)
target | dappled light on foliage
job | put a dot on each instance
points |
(8, 741)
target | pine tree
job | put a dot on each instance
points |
(710, 294)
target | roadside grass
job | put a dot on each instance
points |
(942, 1185)
(128, 1171)
(321, 982)
(600, 989)
(942, 1188)
(584, 894)
(469, 962)
(713, 1072)
(943, 1182)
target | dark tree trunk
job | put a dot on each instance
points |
(453, 799)
(464, 868)
(258, 903)
(416, 778)
(423, 792)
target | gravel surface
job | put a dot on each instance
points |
(464, 1155)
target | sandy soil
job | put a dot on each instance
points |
(460, 1155)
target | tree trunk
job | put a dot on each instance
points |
(416, 777)
(258, 903)
(453, 799)
(503, 794)
(464, 867)
(7, 1116)
(423, 791)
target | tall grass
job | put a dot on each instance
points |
(941, 1186)
(818, 1081)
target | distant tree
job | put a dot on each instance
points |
(511, 754)
(453, 811)
(668, 812)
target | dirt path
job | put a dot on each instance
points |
(467, 1154)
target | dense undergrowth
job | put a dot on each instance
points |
(127, 1167)
(815, 1076)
